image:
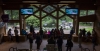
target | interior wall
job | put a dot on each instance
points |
(97, 23)
(2, 30)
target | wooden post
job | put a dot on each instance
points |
(77, 22)
(20, 22)
(57, 17)
(40, 17)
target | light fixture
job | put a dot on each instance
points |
(29, 1)
(67, 1)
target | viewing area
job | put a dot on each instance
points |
(62, 17)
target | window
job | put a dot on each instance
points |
(12, 27)
(90, 12)
(13, 14)
(83, 13)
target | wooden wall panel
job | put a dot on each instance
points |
(4, 7)
(87, 7)
(90, 18)
(11, 0)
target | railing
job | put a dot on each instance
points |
(14, 49)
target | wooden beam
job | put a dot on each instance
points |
(89, 18)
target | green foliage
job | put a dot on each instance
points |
(33, 21)
(65, 18)
(14, 15)
(90, 12)
(83, 12)
(89, 29)
(49, 21)
(85, 24)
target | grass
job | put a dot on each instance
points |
(89, 29)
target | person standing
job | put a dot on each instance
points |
(16, 34)
(71, 32)
(59, 43)
(61, 31)
(51, 40)
(10, 35)
(38, 41)
(41, 32)
(80, 38)
(69, 44)
(30, 36)
(32, 30)
(94, 40)
(84, 32)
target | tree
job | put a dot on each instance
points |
(33, 21)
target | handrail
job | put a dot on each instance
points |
(13, 48)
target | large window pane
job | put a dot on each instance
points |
(66, 23)
(90, 12)
(87, 25)
(31, 20)
(12, 27)
(48, 23)
(9, 13)
(83, 12)
(15, 14)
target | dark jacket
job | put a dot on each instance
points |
(51, 41)
(38, 39)
(60, 42)
(69, 43)
(30, 36)
(41, 32)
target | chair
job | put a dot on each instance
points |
(51, 47)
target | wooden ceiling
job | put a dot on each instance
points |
(83, 4)
(54, 1)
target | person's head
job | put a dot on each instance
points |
(38, 33)
(15, 27)
(83, 28)
(9, 29)
(22, 29)
(80, 29)
(31, 26)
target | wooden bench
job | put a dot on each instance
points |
(22, 38)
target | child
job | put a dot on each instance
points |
(69, 44)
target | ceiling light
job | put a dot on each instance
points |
(29, 1)
(67, 1)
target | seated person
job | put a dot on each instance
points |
(88, 36)
(24, 32)
(51, 40)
